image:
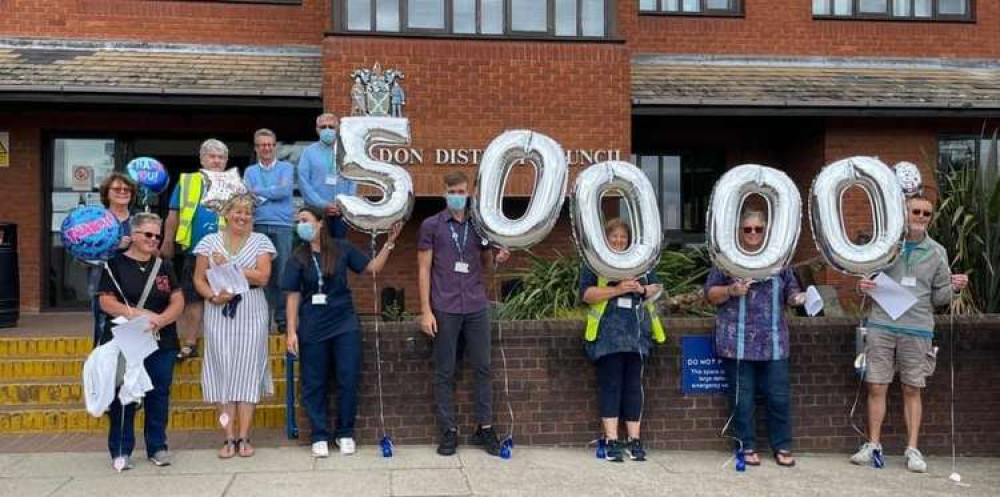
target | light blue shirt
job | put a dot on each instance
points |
(274, 187)
(317, 162)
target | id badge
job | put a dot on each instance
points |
(319, 299)
(331, 179)
(625, 302)
(909, 281)
(462, 267)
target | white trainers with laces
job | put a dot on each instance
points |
(864, 455)
(346, 445)
(320, 449)
(915, 460)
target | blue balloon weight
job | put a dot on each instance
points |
(148, 173)
(90, 233)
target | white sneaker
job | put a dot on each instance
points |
(346, 445)
(915, 460)
(864, 455)
(321, 449)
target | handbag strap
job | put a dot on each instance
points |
(149, 283)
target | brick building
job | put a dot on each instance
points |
(690, 87)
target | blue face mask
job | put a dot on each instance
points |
(456, 202)
(327, 136)
(306, 231)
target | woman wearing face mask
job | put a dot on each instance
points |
(621, 327)
(323, 329)
(751, 338)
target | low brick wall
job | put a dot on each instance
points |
(553, 389)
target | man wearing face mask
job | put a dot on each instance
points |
(453, 303)
(319, 175)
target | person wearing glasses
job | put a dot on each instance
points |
(122, 294)
(751, 339)
(118, 195)
(905, 344)
(319, 175)
(272, 182)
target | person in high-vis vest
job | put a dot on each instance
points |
(751, 339)
(622, 325)
(187, 223)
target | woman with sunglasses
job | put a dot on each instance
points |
(905, 343)
(118, 195)
(751, 339)
(121, 294)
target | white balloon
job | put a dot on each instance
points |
(551, 176)
(784, 221)
(357, 136)
(909, 178)
(826, 211)
(644, 220)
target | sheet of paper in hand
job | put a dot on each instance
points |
(227, 278)
(134, 339)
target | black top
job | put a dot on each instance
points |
(131, 276)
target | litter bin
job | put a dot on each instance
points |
(10, 293)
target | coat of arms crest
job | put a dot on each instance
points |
(377, 92)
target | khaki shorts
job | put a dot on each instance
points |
(887, 352)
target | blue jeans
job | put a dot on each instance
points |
(95, 306)
(121, 433)
(317, 360)
(770, 380)
(281, 237)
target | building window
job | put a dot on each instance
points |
(944, 10)
(683, 183)
(692, 7)
(964, 152)
(512, 18)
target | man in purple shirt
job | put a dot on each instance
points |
(453, 303)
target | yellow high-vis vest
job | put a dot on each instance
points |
(597, 310)
(190, 195)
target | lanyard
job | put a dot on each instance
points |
(331, 168)
(460, 245)
(319, 274)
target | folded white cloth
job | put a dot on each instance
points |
(99, 378)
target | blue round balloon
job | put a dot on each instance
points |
(148, 173)
(91, 233)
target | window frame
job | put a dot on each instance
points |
(969, 17)
(738, 11)
(340, 15)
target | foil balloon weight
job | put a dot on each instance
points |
(90, 233)
(386, 444)
(909, 178)
(784, 206)
(888, 213)
(149, 174)
(551, 177)
(358, 135)
(644, 220)
(220, 186)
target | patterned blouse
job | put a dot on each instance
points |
(752, 327)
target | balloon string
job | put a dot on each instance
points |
(951, 363)
(378, 346)
(861, 377)
(503, 353)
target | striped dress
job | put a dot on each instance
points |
(236, 367)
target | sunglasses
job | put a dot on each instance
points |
(326, 126)
(265, 145)
(921, 212)
(753, 229)
(121, 189)
(149, 235)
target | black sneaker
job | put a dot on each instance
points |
(635, 450)
(487, 438)
(613, 451)
(449, 442)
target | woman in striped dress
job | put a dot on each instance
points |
(235, 372)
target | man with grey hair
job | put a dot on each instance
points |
(272, 182)
(187, 222)
(319, 175)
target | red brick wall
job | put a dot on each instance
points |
(787, 27)
(21, 203)
(167, 21)
(554, 396)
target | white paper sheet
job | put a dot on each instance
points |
(891, 296)
(227, 278)
(134, 339)
(814, 301)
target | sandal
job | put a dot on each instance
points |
(244, 448)
(228, 449)
(784, 458)
(751, 458)
(188, 351)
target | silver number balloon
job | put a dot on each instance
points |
(358, 135)
(644, 219)
(888, 211)
(784, 224)
(551, 176)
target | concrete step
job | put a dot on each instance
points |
(70, 394)
(70, 368)
(76, 346)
